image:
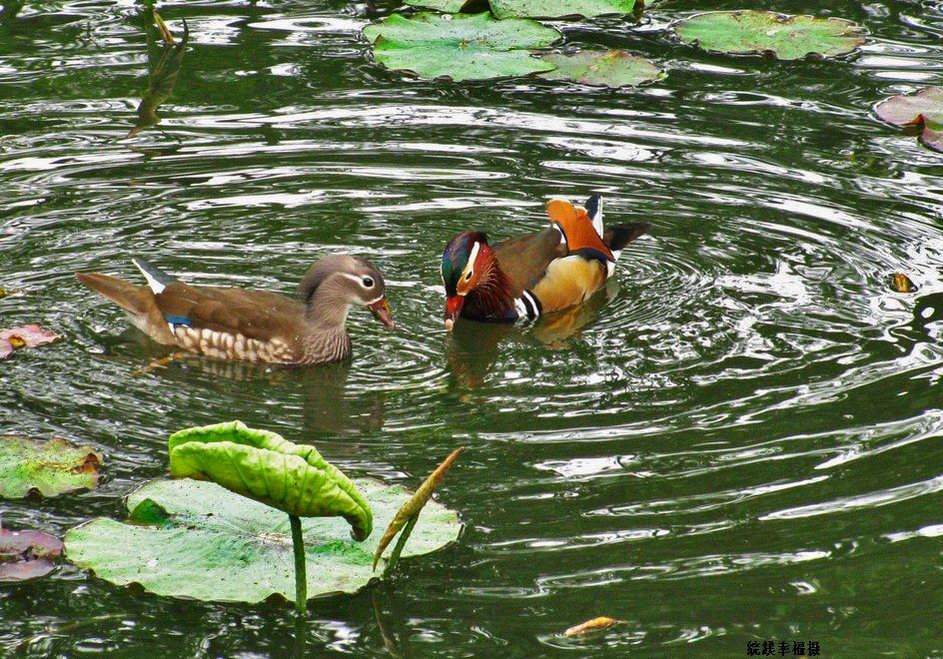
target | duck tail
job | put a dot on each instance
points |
(136, 300)
(620, 235)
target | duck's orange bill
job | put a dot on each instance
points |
(453, 309)
(381, 309)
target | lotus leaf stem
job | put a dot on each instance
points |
(301, 577)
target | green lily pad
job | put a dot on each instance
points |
(195, 539)
(785, 37)
(27, 554)
(559, 8)
(921, 110)
(614, 68)
(446, 6)
(30, 466)
(263, 466)
(460, 46)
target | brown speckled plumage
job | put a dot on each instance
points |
(253, 326)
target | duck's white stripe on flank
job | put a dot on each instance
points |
(520, 308)
(527, 308)
(152, 283)
(530, 304)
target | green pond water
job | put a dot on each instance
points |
(739, 441)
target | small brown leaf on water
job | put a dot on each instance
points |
(901, 283)
(602, 622)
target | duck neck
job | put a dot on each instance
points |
(492, 296)
(327, 310)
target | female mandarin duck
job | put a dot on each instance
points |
(537, 273)
(255, 326)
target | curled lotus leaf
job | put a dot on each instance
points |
(922, 110)
(460, 46)
(27, 554)
(263, 466)
(785, 37)
(49, 468)
(195, 539)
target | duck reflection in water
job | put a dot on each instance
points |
(321, 391)
(473, 348)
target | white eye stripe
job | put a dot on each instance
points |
(358, 279)
(472, 257)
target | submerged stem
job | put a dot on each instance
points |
(301, 577)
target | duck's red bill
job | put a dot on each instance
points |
(381, 309)
(453, 309)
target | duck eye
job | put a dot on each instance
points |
(468, 276)
(367, 282)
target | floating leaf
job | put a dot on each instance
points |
(27, 554)
(48, 467)
(614, 68)
(25, 336)
(413, 507)
(263, 466)
(461, 47)
(195, 539)
(922, 110)
(785, 37)
(559, 8)
(602, 622)
(901, 283)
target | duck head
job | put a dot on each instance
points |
(466, 264)
(338, 282)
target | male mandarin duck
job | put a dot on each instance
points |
(254, 326)
(534, 274)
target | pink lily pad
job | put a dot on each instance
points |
(25, 336)
(27, 554)
(921, 110)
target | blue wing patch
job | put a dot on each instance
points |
(173, 321)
